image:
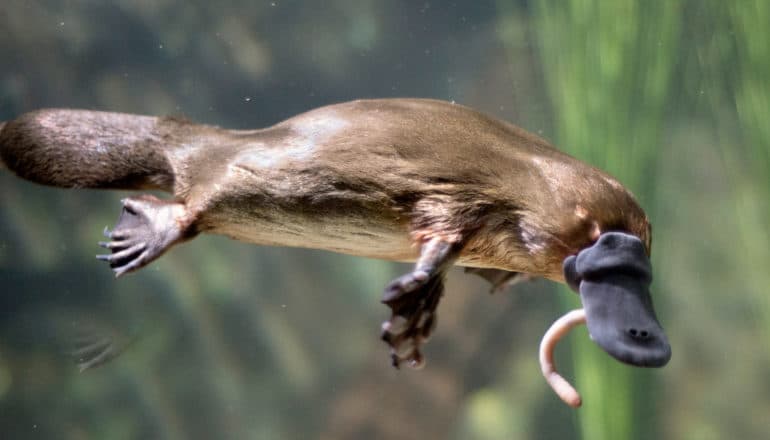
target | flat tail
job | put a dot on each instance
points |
(91, 149)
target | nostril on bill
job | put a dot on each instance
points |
(639, 334)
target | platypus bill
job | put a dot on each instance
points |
(412, 180)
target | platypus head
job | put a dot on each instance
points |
(613, 278)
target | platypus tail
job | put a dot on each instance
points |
(89, 149)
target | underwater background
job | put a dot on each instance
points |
(231, 341)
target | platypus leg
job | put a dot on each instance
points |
(147, 227)
(413, 299)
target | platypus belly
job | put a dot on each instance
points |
(292, 197)
(327, 221)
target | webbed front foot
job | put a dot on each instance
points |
(146, 228)
(413, 299)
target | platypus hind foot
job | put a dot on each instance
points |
(147, 227)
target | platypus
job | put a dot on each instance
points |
(409, 180)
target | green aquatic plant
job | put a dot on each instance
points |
(608, 69)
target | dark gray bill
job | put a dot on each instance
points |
(613, 278)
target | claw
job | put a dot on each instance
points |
(416, 360)
(134, 264)
(125, 253)
(114, 244)
(123, 233)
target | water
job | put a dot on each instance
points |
(220, 339)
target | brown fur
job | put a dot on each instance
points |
(370, 178)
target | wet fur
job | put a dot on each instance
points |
(373, 178)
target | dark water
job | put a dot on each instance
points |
(231, 341)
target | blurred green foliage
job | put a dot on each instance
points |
(608, 69)
(235, 341)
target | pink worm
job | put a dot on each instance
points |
(558, 329)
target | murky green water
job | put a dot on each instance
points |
(231, 341)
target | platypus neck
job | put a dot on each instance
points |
(612, 208)
(566, 215)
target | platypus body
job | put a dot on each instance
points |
(418, 180)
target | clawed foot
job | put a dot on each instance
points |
(413, 299)
(146, 228)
